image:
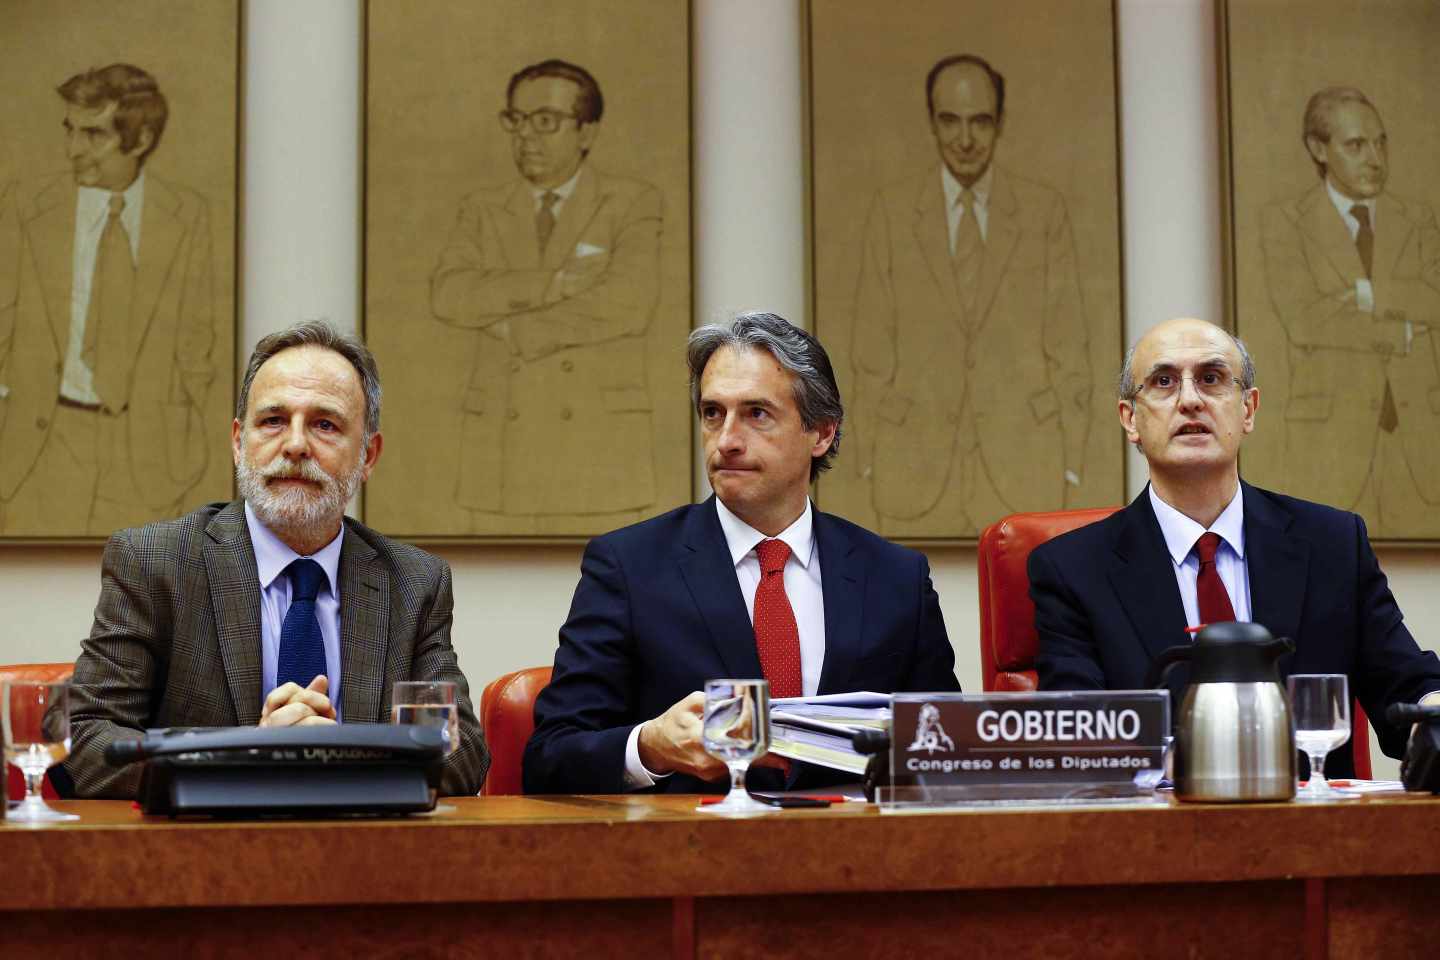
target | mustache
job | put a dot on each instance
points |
(283, 469)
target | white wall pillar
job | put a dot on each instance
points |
(1170, 131)
(301, 142)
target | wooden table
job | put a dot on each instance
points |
(647, 877)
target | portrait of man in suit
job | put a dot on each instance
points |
(106, 352)
(970, 345)
(557, 273)
(1353, 274)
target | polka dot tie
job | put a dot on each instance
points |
(777, 638)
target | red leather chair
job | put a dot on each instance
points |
(47, 672)
(507, 715)
(1008, 642)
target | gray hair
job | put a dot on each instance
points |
(318, 333)
(1128, 389)
(816, 393)
(1317, 116)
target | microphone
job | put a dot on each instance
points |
(130, 750)
(1399, 714)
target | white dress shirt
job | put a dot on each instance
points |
(955, 212)
(802, 587)
(92, 210)
(272, 556)
(1181, 533)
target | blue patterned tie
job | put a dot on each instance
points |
(302, 651)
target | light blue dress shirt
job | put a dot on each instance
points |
(1181, 533)
(272, 556)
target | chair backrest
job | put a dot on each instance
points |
(14, 780)
(1008, 642)
(507, 715)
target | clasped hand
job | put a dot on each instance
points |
(289, 705)
(674, 742)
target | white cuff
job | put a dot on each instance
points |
(636, 776)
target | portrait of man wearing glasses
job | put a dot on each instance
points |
(558, 275)
(1199, 545)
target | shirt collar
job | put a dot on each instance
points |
(981, 189)
(1181, 532)
(273, 555)
(1344, 203)
(741, 538)
(563, 191)
(95, 202)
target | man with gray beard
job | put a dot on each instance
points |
(275, 609)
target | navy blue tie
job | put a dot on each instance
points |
(302, 651)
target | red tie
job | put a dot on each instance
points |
(1209, 588)
(777, 638)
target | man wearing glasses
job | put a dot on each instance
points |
(1199, 546)
(558, 274)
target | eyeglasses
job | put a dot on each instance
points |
(1211, 382)
(544, 121)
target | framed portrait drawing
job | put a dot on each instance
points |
(1334, 144)
(966, 223)
(118, 176)
(527, 264)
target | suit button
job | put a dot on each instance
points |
(513, 414)
(567, 365)
(565, 413)
(42, 423)
(954, 418)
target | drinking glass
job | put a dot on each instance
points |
(736, 729)
(36, 720)
(1320, 704)
(429, 702)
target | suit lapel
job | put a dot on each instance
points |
(842, 583)
(516, 223)
(235, 604)
(710, 577)
(1393, 232)
(1323, 224)
(161, 231)
(53, 248)
(931, 230)
(1002, 234)
(364, 629)
(575, 216)
(1143, 576)
(1278, 565)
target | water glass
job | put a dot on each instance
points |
(1320, 704)
(736, 730)
(430, 702)
(36, 721)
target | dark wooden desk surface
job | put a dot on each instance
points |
(650, 872)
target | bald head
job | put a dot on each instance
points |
(1140, 359)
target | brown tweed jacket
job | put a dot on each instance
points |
(176, 640)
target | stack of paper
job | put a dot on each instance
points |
(818, 729)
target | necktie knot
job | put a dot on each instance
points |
(1361, 213)
(1206, 546)
(306, 579)
(548, 200)
(117, 204)
(772, 555)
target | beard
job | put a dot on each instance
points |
(296, 512)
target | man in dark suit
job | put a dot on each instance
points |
(1199, 545)
(275, 609)
(732, 587)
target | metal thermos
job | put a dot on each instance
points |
(1234, 737)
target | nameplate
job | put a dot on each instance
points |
(1039, 744)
